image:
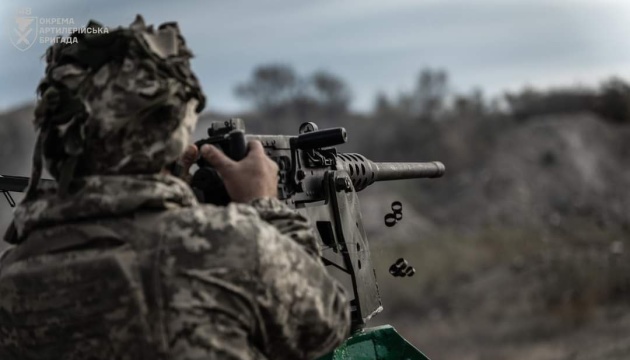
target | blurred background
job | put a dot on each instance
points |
(522, 248)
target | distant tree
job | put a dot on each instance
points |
(430, 93)
(303, 103)
(331, 93)
(271, 88)
(461, 104)
(471, 104)
(518, 103)
(613, 102)
(405, 105)
(531, 102)
(276, 88)
(478, 100)
(382, 104)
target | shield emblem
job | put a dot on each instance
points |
(24, 32)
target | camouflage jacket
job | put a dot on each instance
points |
(134, 268)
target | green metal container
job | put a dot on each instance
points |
(378, 343)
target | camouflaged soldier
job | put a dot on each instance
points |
(119, 261)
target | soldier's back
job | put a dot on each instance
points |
(172, 284)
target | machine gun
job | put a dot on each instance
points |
(321, 183)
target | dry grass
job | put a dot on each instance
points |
(448, 259)
(505, 293)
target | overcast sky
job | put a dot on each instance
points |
(373, 45)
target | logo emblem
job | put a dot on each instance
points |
(24, 33)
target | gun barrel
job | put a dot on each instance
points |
(397, 171)
(17, 183)
(364, 172)
(13, 183)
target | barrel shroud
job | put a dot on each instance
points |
(365, 172)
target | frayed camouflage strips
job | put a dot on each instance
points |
(125, 101)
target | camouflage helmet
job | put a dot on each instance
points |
(121, 101)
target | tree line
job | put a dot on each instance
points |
(278, 90)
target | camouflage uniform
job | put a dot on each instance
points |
(120, 262)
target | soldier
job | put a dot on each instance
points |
(118, 260)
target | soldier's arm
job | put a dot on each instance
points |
(304, 310)
(288, 222)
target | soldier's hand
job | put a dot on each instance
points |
(186, 161)
(254, 177)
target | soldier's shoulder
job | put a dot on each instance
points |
(235, 221)
(208, 237)
(210, 217)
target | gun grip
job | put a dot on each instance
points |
(238, 146)
(206, 182)
(209, 188)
